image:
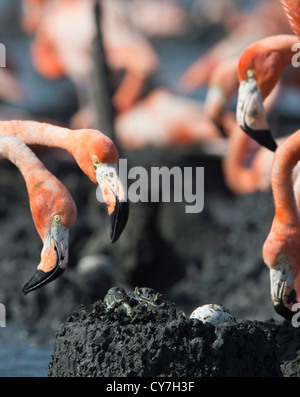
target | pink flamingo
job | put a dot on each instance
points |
(52, 207)
(259, 70)
(257, 82)
(281, 249)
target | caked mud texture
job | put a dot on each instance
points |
(152, 339)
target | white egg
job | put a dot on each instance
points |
(213, 314)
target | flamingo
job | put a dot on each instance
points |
(260, 67)
(52, 207)
(94, 152)
(223, 84)
(281, 250)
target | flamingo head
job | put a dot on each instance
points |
(98, 157)
(54, 212)
(282, 258)
(258, 74)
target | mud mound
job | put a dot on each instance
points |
(143, 335)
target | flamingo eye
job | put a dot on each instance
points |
(57, 218)
(95, 160)
(250, 74)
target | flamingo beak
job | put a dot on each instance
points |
(283, 293)
(54, 258)
(114, 195)
(251, 115)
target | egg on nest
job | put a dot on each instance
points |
(213, 314)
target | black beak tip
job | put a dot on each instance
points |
(118, 220)
(40, 278)
(263, 137)
(282, 310)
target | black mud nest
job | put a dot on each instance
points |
(139, 334)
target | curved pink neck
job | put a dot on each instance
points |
(286, 158)
(35, 133)
(21, 156)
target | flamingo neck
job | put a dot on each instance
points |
(276, 55)
(31, 168)
(40, 184)
(20, 155)
(284, 44)
(285, 160)
(35, 133)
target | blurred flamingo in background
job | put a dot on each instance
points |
(153, 18)
(266, 19)
(32, 13)
(206, 14)
(174, 119)
(164, 119)
(62, 46)
(222, 86)
(199, 72)
(52, 207)
(158, 19)
(246, 165)
(95, 154)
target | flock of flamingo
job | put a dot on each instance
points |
(248, 63)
